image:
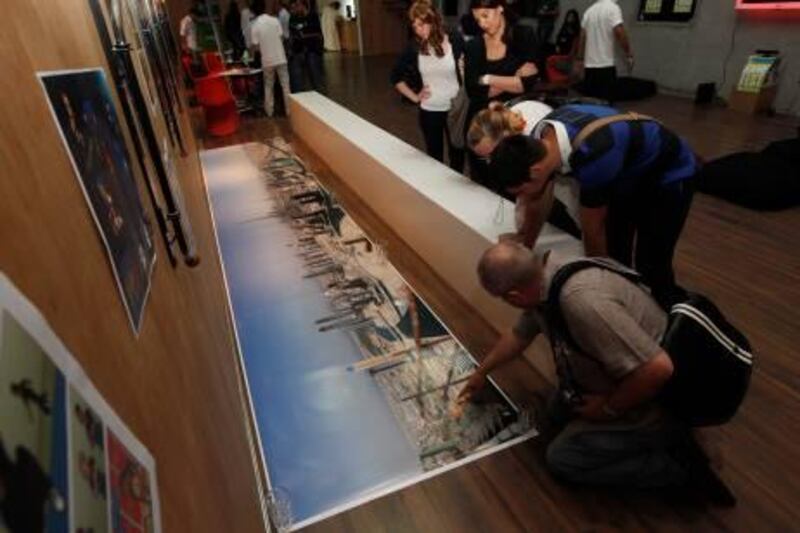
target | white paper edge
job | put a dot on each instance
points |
(412, 481)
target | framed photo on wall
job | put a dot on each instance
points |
(82, 107)
(150, 114)
(667, 10)
(70, 464)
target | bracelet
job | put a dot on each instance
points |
(484, 80)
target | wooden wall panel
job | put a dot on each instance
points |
(176, 386)
(384, 28)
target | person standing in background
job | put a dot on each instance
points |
(307, 48)
(266, 35)
(283, 18)
(188, 31)
(427, 74)
(233, 29)
(246, 20)
(567, 37)
(546, 16)
(330, 33)
(499, 64)
(602, 24)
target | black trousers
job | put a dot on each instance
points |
(435, 132)
(642, 230)
(600, 82)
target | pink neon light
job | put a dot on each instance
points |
(794, 4)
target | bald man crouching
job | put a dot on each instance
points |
(614, 432)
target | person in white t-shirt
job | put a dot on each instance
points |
(247, 20)
(602, 25)
(266, 34)
(188, 32)
(283, 18)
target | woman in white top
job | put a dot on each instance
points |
(427, 73)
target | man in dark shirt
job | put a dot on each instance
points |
(636, 185)
(307, 47)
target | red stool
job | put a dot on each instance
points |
(219, 107)
(559, 69)
(213, 62)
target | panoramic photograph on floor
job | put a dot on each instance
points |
(362, 376)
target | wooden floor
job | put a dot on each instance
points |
(748, 262)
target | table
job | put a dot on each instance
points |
(242, 77)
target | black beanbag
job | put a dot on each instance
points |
(768, 180)
(629, 88)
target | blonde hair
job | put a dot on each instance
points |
(495, 122)
(424, 11)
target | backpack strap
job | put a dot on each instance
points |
(560, 337)
(563, 274)
(595, 125)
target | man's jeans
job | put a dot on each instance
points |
(306, 72)
(634, 452)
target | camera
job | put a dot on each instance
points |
(561, 407)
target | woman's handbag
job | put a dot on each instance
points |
(457, 118)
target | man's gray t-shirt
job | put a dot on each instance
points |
(616, 323)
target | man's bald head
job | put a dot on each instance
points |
(506, 266)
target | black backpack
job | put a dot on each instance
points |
(712, 359)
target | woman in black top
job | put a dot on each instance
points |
(427, 74)
(498, 65)
(568, 34)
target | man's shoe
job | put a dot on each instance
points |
(701, 479)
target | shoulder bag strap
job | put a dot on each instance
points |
(605, 121)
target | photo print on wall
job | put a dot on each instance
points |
(83, 109)
(67, 461)
(33, 437)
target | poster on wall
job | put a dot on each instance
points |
(165, 79)
(667, 10)
(652, 6)
(67, 462)
(82, 107)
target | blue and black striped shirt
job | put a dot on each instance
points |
(618, 157)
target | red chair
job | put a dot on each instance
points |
(213, 62)
(186, 62)
(559, 69)
(219, 107)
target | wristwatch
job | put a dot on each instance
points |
(484, 80)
